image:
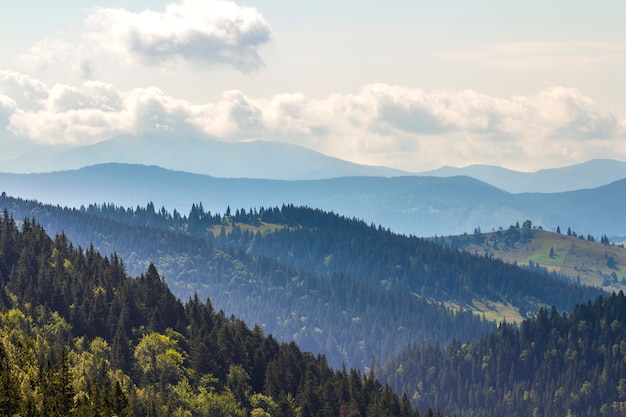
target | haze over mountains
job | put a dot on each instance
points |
(276, 160)
(423, 206)
(590, 174)
(174, 173)
(192, 153)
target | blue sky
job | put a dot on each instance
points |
(408, 84)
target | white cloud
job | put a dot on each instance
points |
(381, 124)
(200, 32)
(95, 111)
(566, 113)
(151, 110)
(557, 113)
(24, 90)
(7, 108)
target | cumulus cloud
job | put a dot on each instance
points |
(556, 113)
(380, 124)
(27, 92)
(200, 32)
(95, 111)
(563, 112)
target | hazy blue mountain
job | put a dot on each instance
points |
(591, 174)
(192, 152)
(423, 206)
(588, 211)
(257, 159)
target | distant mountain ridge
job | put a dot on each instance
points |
(195, 153)
(423, 206)
(255, 159)
(590, 174)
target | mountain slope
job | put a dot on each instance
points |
(590, 174)
(256, 159)
(78, 337)
(325, 244)
(552, 365)
(335, 314)
(595, 211)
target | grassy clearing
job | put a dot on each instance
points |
(490, 310)
(590, 262)
(228, 226)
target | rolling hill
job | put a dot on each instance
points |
(575, 257)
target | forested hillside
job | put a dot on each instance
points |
(552, 365)
(78, 337)
(328, 243)
(350, 320)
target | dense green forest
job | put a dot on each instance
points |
(347, 319)
(551, 365)
(81, 338)
(327, 243)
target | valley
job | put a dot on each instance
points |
(353, 292)
(312, 209)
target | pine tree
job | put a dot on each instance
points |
(9, 390)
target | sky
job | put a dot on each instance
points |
(413, 85)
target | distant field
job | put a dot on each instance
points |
(583, 261)
(491, 310)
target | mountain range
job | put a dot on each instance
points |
(199, 154)
(590, 174)
(356, 293)
(190, 153)
(422, 206)
(80, 337)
